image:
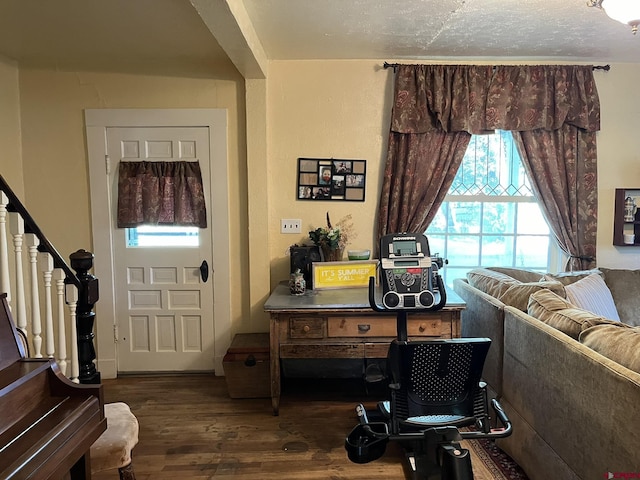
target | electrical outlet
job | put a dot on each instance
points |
(290, 225)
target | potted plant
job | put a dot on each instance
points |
(332, 240)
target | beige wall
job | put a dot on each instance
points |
(618, 156)
(11, 154)
(324, 109)
(314, 109)
(341, 109)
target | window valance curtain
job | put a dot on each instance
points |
(481, 98)
(161, 193)
(553, 111)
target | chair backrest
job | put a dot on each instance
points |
(436, 377)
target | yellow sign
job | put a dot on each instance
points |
(343, 274)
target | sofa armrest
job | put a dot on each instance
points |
(582, 405)
(484, 317)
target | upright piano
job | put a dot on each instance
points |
(47, 422)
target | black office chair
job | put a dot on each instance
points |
(435, 389)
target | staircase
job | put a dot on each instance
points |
(53, 305)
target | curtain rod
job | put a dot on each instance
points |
(606, 68)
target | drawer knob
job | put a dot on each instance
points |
(423, 327)
(306, 329)
(364, 328)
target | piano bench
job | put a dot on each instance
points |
(113, 448)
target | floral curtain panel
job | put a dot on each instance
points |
(459, 100)
(160, 193)
(562, 167)
(482, 98)
(420, 169)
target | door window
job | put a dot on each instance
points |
(162, 236)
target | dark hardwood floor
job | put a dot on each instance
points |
(190, 429)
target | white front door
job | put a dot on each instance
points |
(110, 333)
(164, 308)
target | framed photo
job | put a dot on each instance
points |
(331, 179)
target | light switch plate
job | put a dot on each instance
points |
(290, 225)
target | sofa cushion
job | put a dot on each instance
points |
(490, 282)
(557, 312)
(592, 294)
(519, 273)
(517, 295)
(567, 278)
(625, 290)
(619, 343)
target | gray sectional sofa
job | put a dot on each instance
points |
(568, 377)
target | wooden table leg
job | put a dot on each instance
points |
(274, 347)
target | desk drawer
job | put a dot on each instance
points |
(382, 326)
(361, 326)
(425, 327)
(306, 327)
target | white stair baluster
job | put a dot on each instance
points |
(71, 297)
(36, 322)
(58, 276)
(46, 266)
(16, 224)
(5, 281)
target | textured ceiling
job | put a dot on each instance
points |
(465, 29)
(170, 36)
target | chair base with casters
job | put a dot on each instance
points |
(113, 449)
(435, 390)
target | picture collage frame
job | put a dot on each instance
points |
(331, 179)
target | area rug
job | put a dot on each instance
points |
(491, 463)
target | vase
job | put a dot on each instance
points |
(297, 283)
(332, 255)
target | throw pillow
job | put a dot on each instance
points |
(558, 313)
(567, 278)
(619, 343)
(625, 290)
(517, 295)
(592, 294)
(490, 282)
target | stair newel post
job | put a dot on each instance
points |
(82, 262)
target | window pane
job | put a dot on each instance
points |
(464, 249)
(491, 166)
(166, 236)
(464, 217)
(451, 273)
(530, 219)
(498, 217)
(436, 244)
(439, 222)
(532, 251)
(497, 250)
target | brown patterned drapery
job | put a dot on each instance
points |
(161, 193)
(420, 170)
(433, 104)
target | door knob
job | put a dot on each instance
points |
(204, 271)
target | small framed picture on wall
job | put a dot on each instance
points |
(331, 179)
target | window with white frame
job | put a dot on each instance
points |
(490, 216)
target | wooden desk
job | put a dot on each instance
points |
(340, 324)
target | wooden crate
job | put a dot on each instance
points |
(246, 366)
